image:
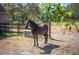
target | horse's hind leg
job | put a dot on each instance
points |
(46, 38)
(46, 35)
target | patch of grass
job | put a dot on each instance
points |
(8, 34)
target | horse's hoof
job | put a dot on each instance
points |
(45, 43)
(37, 46)
(34, 45)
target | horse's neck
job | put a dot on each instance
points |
(33, 25)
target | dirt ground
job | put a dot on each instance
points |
(60, 44)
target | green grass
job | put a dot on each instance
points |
(8, 34)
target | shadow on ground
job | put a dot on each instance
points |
(48, 48)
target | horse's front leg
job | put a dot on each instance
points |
(37, 40)
(34, 40)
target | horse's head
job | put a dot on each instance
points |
(27, 23)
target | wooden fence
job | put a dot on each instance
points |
(7, 27)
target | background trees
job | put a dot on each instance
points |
(44, 12)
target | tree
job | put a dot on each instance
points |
(51, 12)
(75, 15)
(20, 11)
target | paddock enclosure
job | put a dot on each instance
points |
(21, 43)
(63, 28)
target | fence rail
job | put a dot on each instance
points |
(4, 27)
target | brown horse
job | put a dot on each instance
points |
(37, 30)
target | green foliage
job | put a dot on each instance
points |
(54, 12)
(20, 11)
(69, 13)
(44, 11)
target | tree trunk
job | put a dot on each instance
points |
(5, 28)
(50, 29)
(18, 29)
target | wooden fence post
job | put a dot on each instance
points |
(18, 29)
(5, 27)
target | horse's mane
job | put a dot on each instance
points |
(34, 24)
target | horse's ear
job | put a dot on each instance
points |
(28, 18)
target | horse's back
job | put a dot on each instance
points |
(45, 25)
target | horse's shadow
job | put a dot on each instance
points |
(48, 48)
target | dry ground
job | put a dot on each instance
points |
(61, 44)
